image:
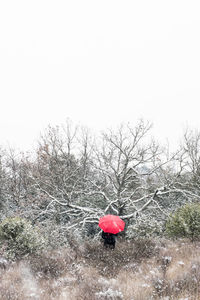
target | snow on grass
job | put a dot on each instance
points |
(170, 274)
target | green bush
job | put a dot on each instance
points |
(185, 222)
(20, 237)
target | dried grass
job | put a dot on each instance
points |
(172, 270)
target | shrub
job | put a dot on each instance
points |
(20, 237)
(145, 248)
(52, 263)
(145, 227)
(185, 222)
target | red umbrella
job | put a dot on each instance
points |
(111, 223)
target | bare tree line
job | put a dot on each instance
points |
(74, 177)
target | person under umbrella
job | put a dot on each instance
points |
(111, 226)
(109, 239)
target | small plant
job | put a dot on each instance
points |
(51, 263)
(185, 222)
(145, 248)
(20, 237)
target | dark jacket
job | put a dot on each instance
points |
(109, 238)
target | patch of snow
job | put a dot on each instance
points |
(194, 267)
(168, 258)
(145, 285)
(103, 281)
(3, 262)
(109, 294)
(180, 262)
(29, 283)
(154, 272)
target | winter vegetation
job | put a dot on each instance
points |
(52, 198)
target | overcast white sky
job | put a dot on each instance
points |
(98, 63)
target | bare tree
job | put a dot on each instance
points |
(125, 161)
(74, 178)
(3, 181)
(182, 178)
(189, 181)
(110, 177)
